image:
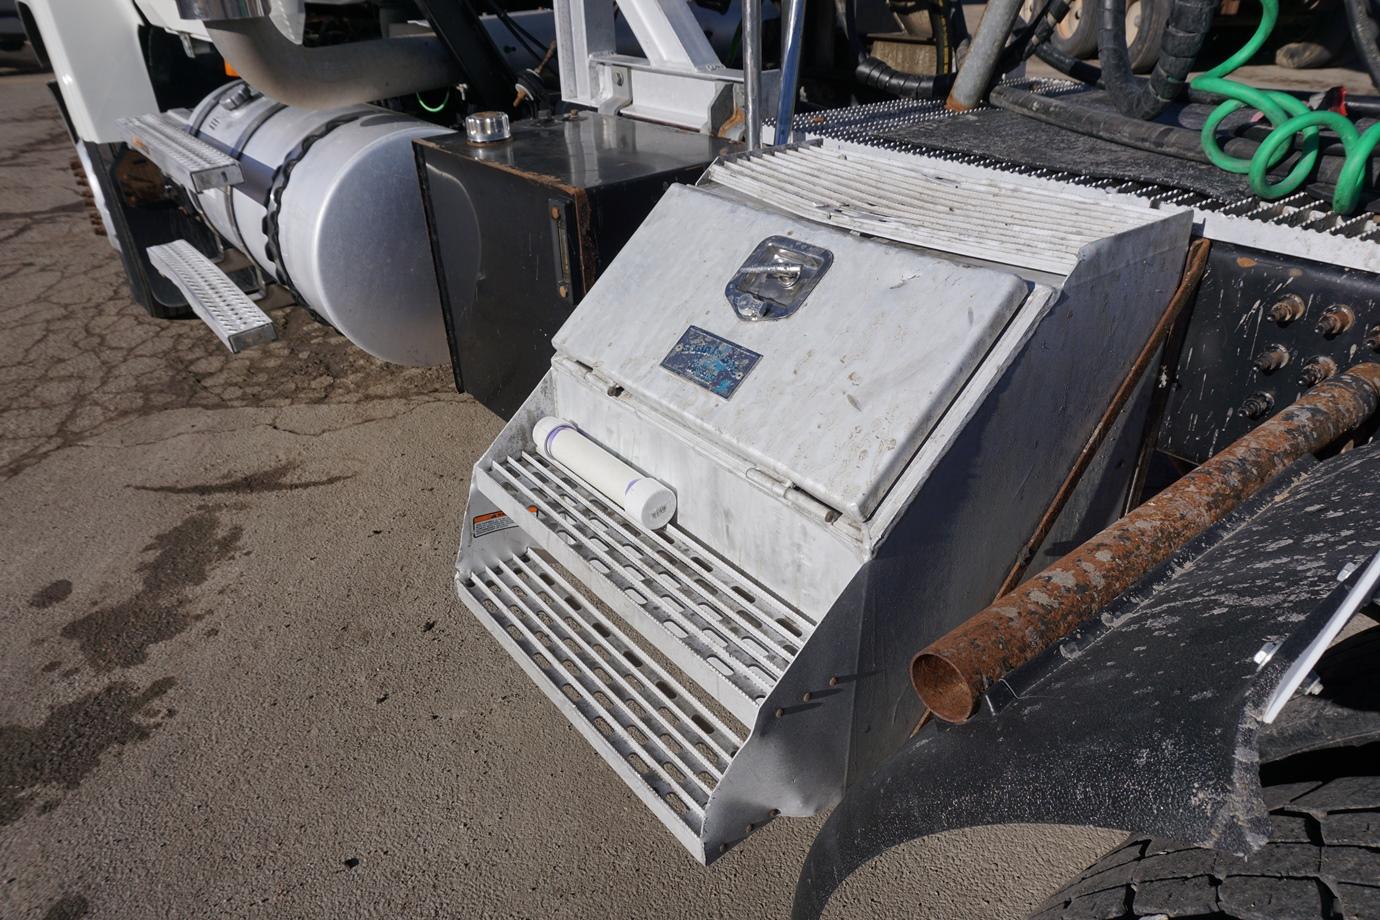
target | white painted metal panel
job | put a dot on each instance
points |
(97, 62)
(882, 370)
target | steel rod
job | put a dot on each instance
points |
(752, 71)
(952, 673)
(979, 68)
(793, 38)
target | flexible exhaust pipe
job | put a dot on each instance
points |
(951, 674)
(333, 75)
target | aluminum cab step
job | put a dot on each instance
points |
(727, 633)
(189, 161)
(665, 743)
(232, 316)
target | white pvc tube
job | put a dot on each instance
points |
(644, 499)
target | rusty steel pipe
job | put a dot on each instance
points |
(952, 673)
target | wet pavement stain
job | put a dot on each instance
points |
(70, 742)
(119, 635)
(51, 594)
(269, 480)
(68, 907)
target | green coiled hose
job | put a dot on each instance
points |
(1290, 117)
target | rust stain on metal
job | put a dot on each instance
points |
(1194, 267)
(951, 673)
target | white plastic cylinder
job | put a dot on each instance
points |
(645, 500)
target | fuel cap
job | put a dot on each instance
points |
(487, 127)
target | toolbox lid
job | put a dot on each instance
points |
(838, 393)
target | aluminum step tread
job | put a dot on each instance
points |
(733, 629)
(187, 160)
(232, 316)
(664, 742)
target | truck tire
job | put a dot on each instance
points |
(1076, 34)
(1322, 860)
(1146, 21)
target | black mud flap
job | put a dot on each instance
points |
(1149, 718)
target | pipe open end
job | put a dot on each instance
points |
(942, 687)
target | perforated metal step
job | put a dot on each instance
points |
(232, 316)
(187, 160)
(728, 634)
(664, 742)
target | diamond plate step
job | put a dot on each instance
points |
(189, 161)
(725, 632)
(232, 316)
(664, 742)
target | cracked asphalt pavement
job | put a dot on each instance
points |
(234, 681)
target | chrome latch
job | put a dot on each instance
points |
(776, 278)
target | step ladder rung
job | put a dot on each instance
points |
(187, 160)
(220, 304)
(733, 630)
(780, 642)
(666, 744)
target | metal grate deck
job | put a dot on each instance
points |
(1298, 225)
(665, 743)
(705, 616)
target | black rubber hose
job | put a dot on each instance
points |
(1068, 65)
(1046, 24)
(1100, 123)
(1045, 50)
(877, 74)
(939, 28)
(1169, 140)
(1365, 33)
(958, 26)
(1189, 23)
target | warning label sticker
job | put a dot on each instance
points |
(494, 521)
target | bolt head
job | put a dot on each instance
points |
(1288, 308)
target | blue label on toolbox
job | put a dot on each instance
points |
(714, 363)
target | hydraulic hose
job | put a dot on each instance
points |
(1365, 33)
(1290, 116)
(882, 76)
(1189, 23)
(1153, 137)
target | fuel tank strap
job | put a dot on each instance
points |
(274, 204)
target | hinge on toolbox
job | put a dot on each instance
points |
(793, 494)
(595, 376)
